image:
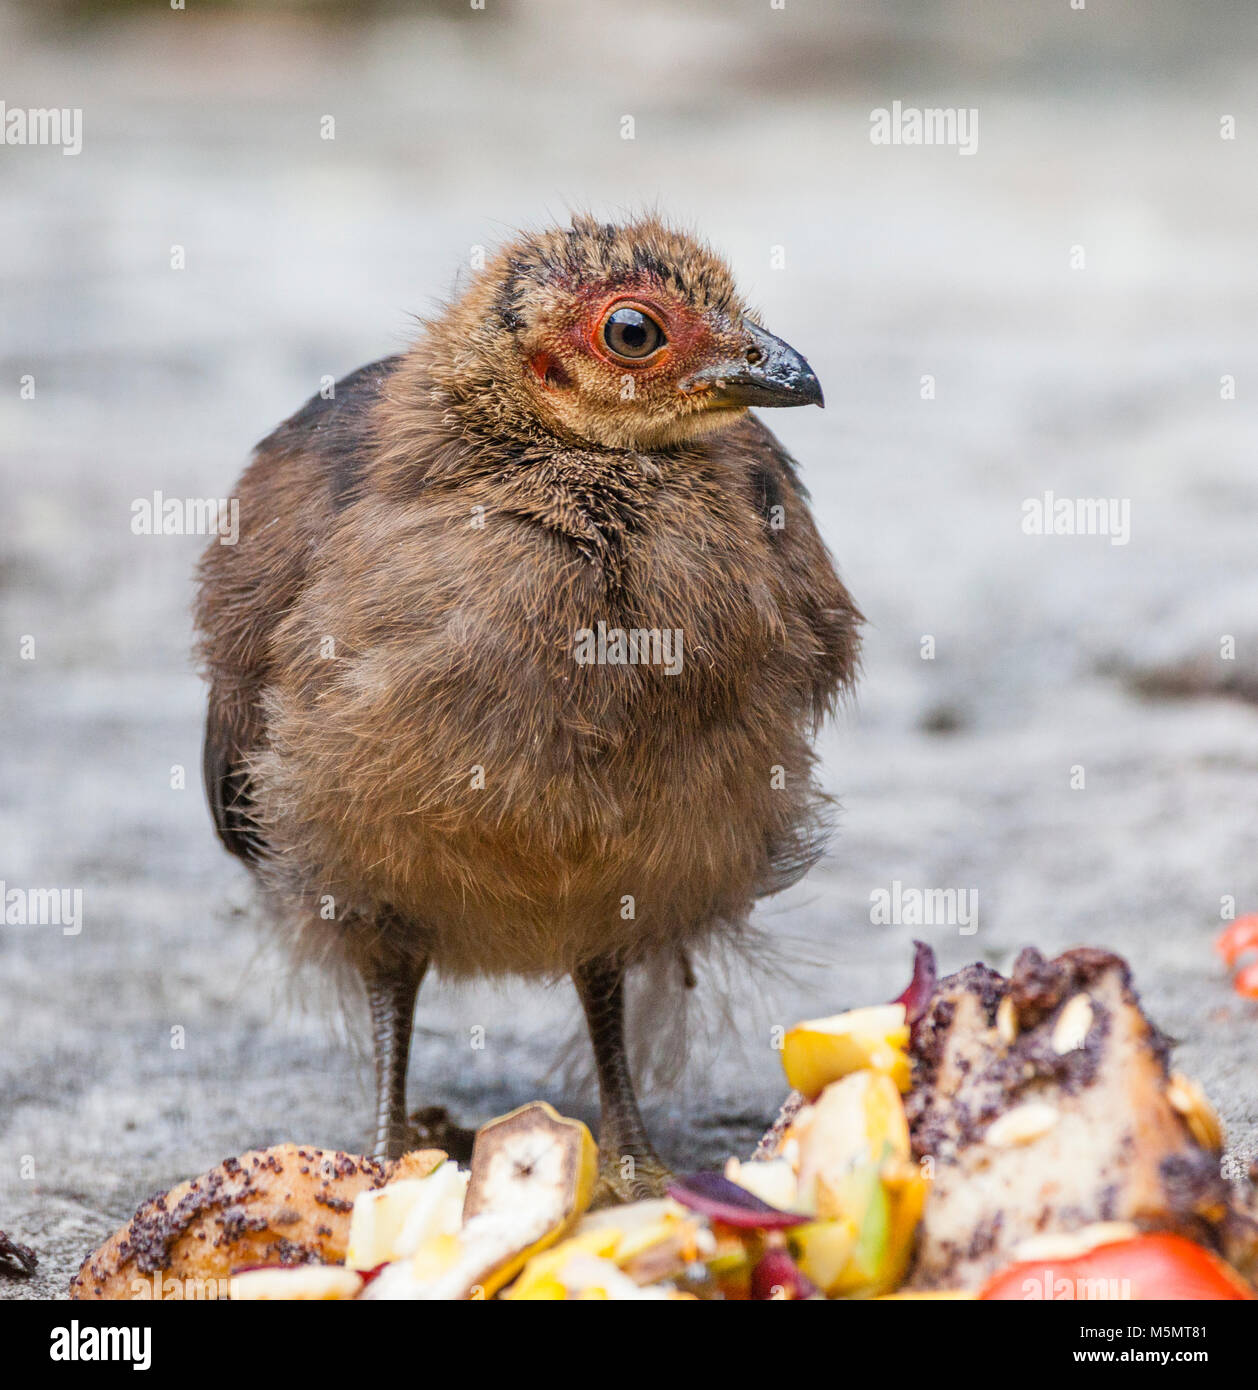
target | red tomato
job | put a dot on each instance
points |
(1241, 936)
(1246, 981)
(1145, 1267)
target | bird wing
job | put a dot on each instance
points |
(227, 783)
(301, 477)
(804, 563)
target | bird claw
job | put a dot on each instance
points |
(630, 1179)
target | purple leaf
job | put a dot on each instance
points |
(713, 1195)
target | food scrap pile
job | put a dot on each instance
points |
(979, 1137)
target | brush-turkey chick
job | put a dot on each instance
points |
(515, 664)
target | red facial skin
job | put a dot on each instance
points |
(549, 371)
(690, 339)
(688, 335)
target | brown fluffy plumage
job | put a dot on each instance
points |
(400, 741)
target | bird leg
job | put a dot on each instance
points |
(629, 1168)
(391, 990)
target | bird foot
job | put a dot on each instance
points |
(629, 1179)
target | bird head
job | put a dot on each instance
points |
(625, 336)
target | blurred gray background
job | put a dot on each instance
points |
(1098, 128)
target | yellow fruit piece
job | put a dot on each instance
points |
(579, 1270)
(822, 1251)
(649, 1241)
(908, 1198)
(822, 1050)
(633, 1243)
(889, 1220)
(539, 1279)
(856, 1173)
(866, 1204)
(855, 1123)
(435, 1256)
(588, 1277)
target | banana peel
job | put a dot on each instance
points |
(528, 1155)
(532, 1175)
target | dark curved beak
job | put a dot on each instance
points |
(767, 372)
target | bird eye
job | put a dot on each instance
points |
(631, 334)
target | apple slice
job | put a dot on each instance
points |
(393, 1221)
(856, 1174)
(856, 1122)
(773, 1180)
(822, 1050)
(862, 1199)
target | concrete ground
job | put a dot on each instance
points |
(163, 1036)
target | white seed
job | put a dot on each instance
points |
(1189, 1100)
(1022, 1125)
(1071, 1029)
(1007, 1021)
